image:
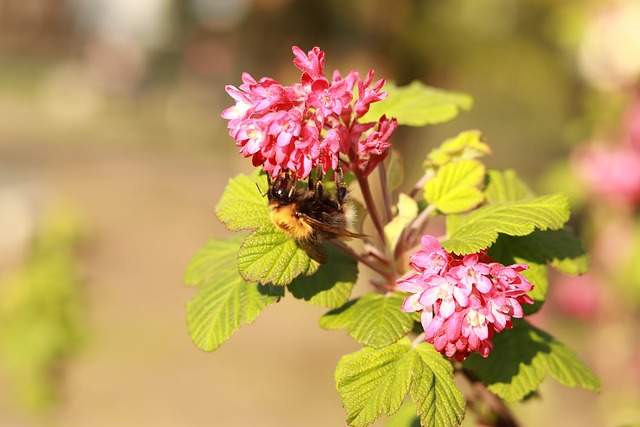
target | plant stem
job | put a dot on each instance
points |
(386, 196)
(371, 206)
(420, 184)
(387, 275)
(482, 397)
(416, 227)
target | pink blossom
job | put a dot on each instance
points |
(610, 173)
(465, 300)
(309, 124)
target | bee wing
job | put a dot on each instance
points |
(315, 250)
(341, 233)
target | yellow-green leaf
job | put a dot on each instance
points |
(455, 188)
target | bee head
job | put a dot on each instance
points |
(281, 193)
(283, 188)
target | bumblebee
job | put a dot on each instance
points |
(309, 215)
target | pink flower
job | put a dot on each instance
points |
(463, 301)
(311, 123)
(610, 173)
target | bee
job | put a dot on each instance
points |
(309, 215)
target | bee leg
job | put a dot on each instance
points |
(269, 185)
(319, 188)
(341, 188)
(292, 179)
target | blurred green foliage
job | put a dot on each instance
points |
(41, 311)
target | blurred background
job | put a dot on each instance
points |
(113, 155)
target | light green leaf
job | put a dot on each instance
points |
(437, 397)
(372, 382)
(407, 211)
(331, 285)
(405, 417)
(479, 229)
(465, 146)
(213, 257)
(418, 105)
(224, 302)
(374, 320)
(455, 188)
(241, 206)
(375, 381)
(270, 256)
(505, 187)
(521, 359)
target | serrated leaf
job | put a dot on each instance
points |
(438, 400)
(374, 320)
(407, 212)
(270, 256)
(241, 206)
(465, 146)
(213, 257)
(372, 382)
(375, 381)
(560, 248)
(417, 104)
(331, 285)
(505, 186)
(521, 359)
(224, 302)
(455, 188)
(479, 229)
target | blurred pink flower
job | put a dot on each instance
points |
(577, 296)
(311, 123)
(610, 173)
(463, 301)
(631, 125)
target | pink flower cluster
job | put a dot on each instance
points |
(311, 123)
(612, 171)
(463, 301)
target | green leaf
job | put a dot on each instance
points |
(241, 206)
(465, 146)
(560, 248)
(521, 359)
(270, 256)
(405, 417)
(505, 187)
(418, 105)
(375, 381)
(407, 212)
(331, 285)
(213, 257)
(455, 187)
(437, 397)
(479, 229)
(224, 301)
(374, 320)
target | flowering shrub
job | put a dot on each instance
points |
(438, 305)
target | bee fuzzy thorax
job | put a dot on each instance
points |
(287, 219)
